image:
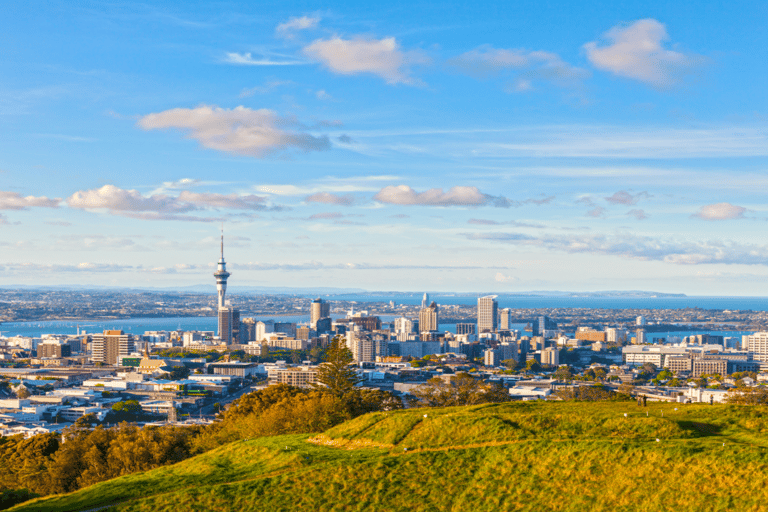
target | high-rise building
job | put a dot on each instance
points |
(54, 350)
(221, 275)
(229, 318)
(487, 314)
(403, 325)
(317, 310)
(110, 346)
(229, 325)
(542, 325)
(248, 332)
(505, 319)
(366, 347)
(550, 356)
(428, 320)
(757, 345)
(465, 328)
(425, 301)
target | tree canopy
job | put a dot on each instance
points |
(336, 372)
(460, 389)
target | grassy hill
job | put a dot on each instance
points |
(513, 456)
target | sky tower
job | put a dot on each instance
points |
(221, 274)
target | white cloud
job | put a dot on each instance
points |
(241, 130)
(720, 211)
(80, 267)
(381, 57)
(15, 201)
(227, 201)
(328, 198)
(624, 197)
(322, 95)
(501, 278)
(638, 214)
(131, 203)
(263, 89)
(246, 59)
(529, 66)
(636, 51)
(113, 198)
(326, 215)
(456, 196)
(597, 211)
(294, 24)
(680, 252)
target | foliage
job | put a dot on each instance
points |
(742, 375)
(460, 389)
(128, 410)
(44, 465)
(11, 497)
(594, 393)
(563, 372)
(336, 373)
(562, 456)
(533, 366)
(177, 373)
(594, 374)
(284, 409)
(757, 395)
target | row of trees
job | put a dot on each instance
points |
(49, 463)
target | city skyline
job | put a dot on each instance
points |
(495, 148)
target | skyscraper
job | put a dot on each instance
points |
(505, 319)
(428, 320)
(543, 324)
(110, 346)
(425, 301)
(487, 314)
(318, 309)
(221, 275)
(229, 317)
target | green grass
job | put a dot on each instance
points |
(517, 456)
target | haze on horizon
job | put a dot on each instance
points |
(502, 147)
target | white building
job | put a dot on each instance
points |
(757, 344)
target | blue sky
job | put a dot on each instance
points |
(405, 146)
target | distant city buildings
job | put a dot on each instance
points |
(487, 314)
(109, 346)
(318, 309)
(505, 319)
(428, 318)
(229, 317)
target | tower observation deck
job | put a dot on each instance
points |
(221, 275)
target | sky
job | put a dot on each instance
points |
(439, 146)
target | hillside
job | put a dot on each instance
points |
(513, 456)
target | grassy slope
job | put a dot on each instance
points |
(520, 456)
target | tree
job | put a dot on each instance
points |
(757, 395)
(533, 366)
(178, 373)
(23, 393)
(336, 373)
(563, 373)
(460, 389)
(595, 393)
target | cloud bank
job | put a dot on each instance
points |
(680, 252)
(380, 57)
(720, 211)
(15, 201)
(529, 65)
(241, 131)
(131, 203)
(636, 51)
